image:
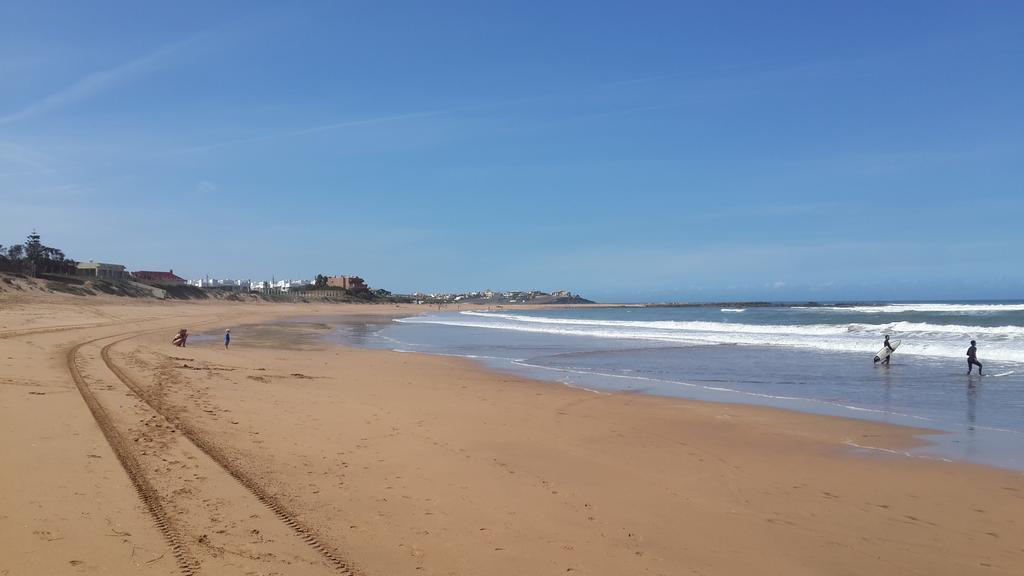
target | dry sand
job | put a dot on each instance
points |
(288, 456)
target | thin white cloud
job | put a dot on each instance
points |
(474, 107)
(364, 122)
(205, 187)
(94, 83)
(704, 75)
(319, 128)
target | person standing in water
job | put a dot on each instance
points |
(972, 358)
(886, 344)
(227, 338)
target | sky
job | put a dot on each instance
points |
(627, 151)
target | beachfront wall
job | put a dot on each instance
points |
(319, 295)
(102, 270)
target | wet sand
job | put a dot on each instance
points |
(287, 455)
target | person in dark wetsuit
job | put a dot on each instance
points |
(972, 358)
(891, 350)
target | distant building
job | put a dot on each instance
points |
(277, 287)
(159, 277)
(287, 285)
(354, 283)
(102, 270)
(221, 284)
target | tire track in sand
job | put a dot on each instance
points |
(220, 456)
(69, 327)
(187, 564)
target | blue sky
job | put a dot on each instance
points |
(628, 150)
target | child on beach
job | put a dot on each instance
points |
(180, 338)
(227, 338)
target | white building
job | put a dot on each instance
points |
(286, 285)
(223, 283)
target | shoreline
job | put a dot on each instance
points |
(977, 419)
(911, 436)
(913, 433)
(409, 463)
(919, 438)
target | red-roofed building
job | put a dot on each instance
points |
(158, 277)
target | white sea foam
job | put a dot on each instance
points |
(729, 391)
(1001, 343)
(905, 453)
(734, 310)
(941, 308)
(811, 329)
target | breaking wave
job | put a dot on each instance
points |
(1001, 343)
(940, 308)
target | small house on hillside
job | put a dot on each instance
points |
(101, 270)
(159, 277)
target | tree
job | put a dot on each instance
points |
(34, 248)
(358, 288)
(34, 257)
(320, 282)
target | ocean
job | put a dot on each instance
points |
(814, 359)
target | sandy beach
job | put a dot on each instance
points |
(288, 455)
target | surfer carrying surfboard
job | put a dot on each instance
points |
(972, 358)
(888, 348)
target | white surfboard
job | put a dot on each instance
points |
(885, 352)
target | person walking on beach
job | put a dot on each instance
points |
(885, 345)
(227, 338)
(972, 358)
